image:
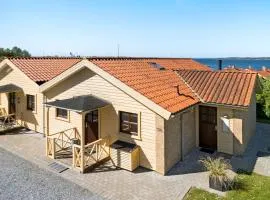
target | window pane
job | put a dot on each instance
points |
(134, 129)
(125, 127)
(95, 116)
(133, 118)
(61, 113)
(30, 101)
(129, 123)
(124, 116)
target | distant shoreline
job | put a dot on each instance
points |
(238, 58)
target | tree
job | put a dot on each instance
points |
(14, 52)
(263, 100)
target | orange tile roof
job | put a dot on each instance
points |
(41, 69)
(160, 86)
(264, 73)
(221, 87)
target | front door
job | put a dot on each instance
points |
(11, 103)
(208, 127)
(91, 126)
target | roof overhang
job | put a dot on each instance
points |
(224, 105)
(111, 79)
(79, 103)
(10, 88)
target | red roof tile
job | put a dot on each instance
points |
(41, 69)
(221, 87)
(264, 73)
(138, 73)
(157, 85)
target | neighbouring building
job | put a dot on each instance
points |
(154, 110)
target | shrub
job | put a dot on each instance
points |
(217, 168)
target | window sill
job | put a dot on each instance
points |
(62, 119)
(33, 111)
(126, 135)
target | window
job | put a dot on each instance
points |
(129, 123)
(30, 102)
(61, 113)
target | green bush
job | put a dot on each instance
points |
(263, 100)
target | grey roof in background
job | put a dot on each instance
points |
(79, 103)
(9, 88)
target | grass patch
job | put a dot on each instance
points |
(247, 186)
(199, 194)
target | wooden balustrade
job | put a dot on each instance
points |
(61, 141)
(93, 153)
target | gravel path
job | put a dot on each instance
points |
(20, 179)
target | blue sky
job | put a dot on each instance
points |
(179, 28)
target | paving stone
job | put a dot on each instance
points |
(115, 184)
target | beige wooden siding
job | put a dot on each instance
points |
(172, 141)
(251, 121)
(32, 120)
(160, 145)
(4, 101)
(244, 126)
(179, 137)
(188, 131)
(56, 124)
(86, 82)
(224, 139)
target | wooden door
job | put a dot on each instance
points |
(12, 103)
(208, 127)
(91, 126)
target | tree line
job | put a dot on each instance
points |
(13, 52)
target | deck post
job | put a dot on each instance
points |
(47, 146)
(82, 141)
(73, 156)
(47, 121)
(53, 148)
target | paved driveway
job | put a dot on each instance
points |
(142, 184)
(21, 179)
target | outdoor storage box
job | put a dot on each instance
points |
(125, 155)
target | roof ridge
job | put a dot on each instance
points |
(217, 71)
(132, 58)
(45, 57)
(185, 82)
(99, 57)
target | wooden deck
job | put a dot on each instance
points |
(80, 157)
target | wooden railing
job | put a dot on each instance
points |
(8, 121)
(61, 141)
(91, 154)
(3, 111)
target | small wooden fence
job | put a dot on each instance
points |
(93, 153)
(61, 142)
(8, 122)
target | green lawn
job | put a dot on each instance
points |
(248, 187)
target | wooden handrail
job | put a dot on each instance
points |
(95, 142)
(74, 128)
(76, 145)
